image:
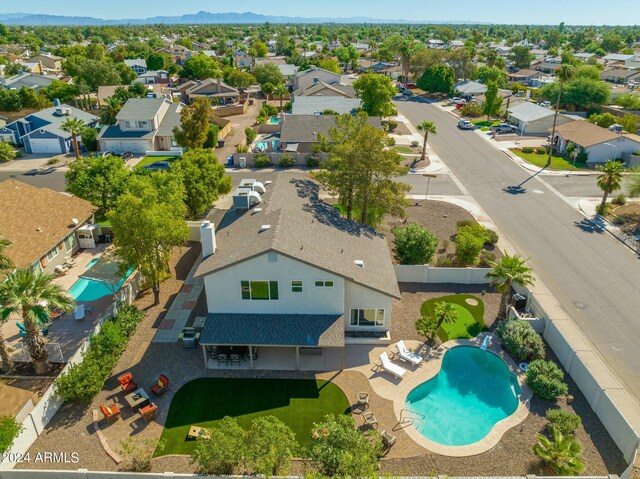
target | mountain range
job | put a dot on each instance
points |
(200, 18)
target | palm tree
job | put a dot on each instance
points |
(280, 90)
(426, 127)
(445, 313)
(633, 188)
(110, 109)
(74, 126)
(609, 180)
(509, 271)
(24, 292)
(5, 264)
(563, 454)
(5, 261)
(7, 152)
(563, 74)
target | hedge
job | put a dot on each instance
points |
(546, 379)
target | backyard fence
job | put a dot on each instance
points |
(247, 160)
(413, 273)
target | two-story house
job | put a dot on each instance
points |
(312, 76)
(138, 65)
(143, 125)
(292, 279)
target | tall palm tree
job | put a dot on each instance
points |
(110, 109)
(444, 313)
(509, 271)
(609, 180)
(426, 127)
(563, 454)
(24, 292)
(563, 74)
(5, 264)
(74, 126)
(280, 90)
(5, 261)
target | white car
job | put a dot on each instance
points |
(454, 101)
(465, 125)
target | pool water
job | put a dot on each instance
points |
(472, 392)
(85, 290)
(274, 120)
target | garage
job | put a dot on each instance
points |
(120, 146)
(44, 145)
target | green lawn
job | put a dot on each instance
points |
(205, 401)
(101, 219)
(403, 149)
(558, 162)
(470, 321)
(147, 160)
(485, 123)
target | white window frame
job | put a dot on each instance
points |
(52, 253)
(294, 287)
(378, 312)
(72, 239)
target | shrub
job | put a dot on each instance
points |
(427, 326)
(619, 220)
(414, 244)
(469, 242)
(251, 134)
(472, 110)
(564, 421)
(242, 148)
(53, 161)
(461, 223)
(415, 143)
(444, 262)
(619, 200)
(527, 149)
(392, 125)
(391, 141)
(491, 237)
(137, 454)
(89, 138)
(262, 161)
(546, 379)
(9, 430)
(313, 161)
(541, 151)
(286, 161)
(520, 339)
(486, 258)
(563, 453)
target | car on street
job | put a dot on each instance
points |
(465, 125)
(545, 104)
(454, 101)
(158, 166)
(503, 128)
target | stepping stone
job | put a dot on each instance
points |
(166, 324)
(198, 321)
(189, 304)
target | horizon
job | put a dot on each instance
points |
(547, 12)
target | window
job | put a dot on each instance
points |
(259, 290)
(296, 286)
(70, 242)
(53, 252)
(128, 124)
(367, 317)
(36, 267)
(324, 284)
(142, 124)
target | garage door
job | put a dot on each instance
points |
(45, 145)
(120, 147)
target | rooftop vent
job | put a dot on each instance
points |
(264, 228)
(359, 263)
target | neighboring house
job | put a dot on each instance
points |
(51, 64)
(300, 132)
(548, 67)
(524, 76)
(265, 60)
(209, 88)
(599, 143)
(293, 278)
(621, 76)
(209, 53)
(617, 59)
(469, 88)
(143, 125)
(44, 226)
(138, 65)
(28, 80)
(288, 72)
(321, 88)
(153, 89)
(312, 105)
(532, 119)
(153, 76)
(508, 100)
(456, 44)
(243, 59)
(313, 75)
(362, 47)
(435, 43)
(584, 56)
(42, 132)
(178, 53)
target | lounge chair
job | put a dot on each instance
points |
(80, 312)
(126, 383)
(23, 330)
(408, 356)
(111, 413)
(485, 342)
(391, 368)
(363, 400)
(161, 386)
(388, 440)
(370, 419)
(60, 269)
(148, 412)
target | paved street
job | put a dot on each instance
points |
(50, 178)
(593, 277)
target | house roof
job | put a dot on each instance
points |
(308, 230)
(524, 73)
(40, 219)
(29, 80)
(311, 330)
(470, 87)
(309, 105)
(587, 134)
(287, 69)
(317, 88)
(140, 108)
(141, 62)
(313, 70)
(170, 120)
(618, 57)
(528, 111)
(618, 73)
(50, 120)
(305, 128)
(221, 88)
(107, 91)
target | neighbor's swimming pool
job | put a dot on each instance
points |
(85, 290)
(472, 392)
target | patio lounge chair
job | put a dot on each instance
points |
(406, 355)
(80, 312)
(388, 440)
(23, 330)
(391, 368)
(126, 383)
(111, 413)
(363, 400)
(161, 386)
(485, 342)
(148, 412)
(370, 419)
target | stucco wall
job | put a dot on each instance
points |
(359, 297)
(431, 274)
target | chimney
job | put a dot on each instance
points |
(208, 239)
(219, 83)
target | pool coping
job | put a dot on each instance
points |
(433, 366)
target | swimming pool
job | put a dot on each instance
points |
(85, 290)
(274, 120)
(472, 392)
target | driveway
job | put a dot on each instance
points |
(236, 136)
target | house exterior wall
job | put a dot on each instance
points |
(359, 297)
(603, 152)
(538, 127)
(120, 146)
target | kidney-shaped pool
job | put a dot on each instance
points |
(472, 392)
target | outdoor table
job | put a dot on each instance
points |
(196, 432)
(137, 399)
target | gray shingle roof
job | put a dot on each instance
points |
(170, 121)
(308, 105)
(51, 121)
(140, 108)
(312, 330)
(528, 111)
(305, 128)
(307, 229)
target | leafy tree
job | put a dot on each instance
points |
(200, 67)
(414, 244)
(444, 313)
(29, 98)
(224, 451)
(268, 73)
(5, 356)
(376, 92)
(605, 120)
(629, 101)
(427, 326)
(98, 179)
(89, 138)
(61, 91)
(494, 74)
(563, 74)
(469, 241)
(260, 49)
(23, 292)
(158, 61)
(546, 379)
(270, 446)
(7, 152)
(251, 134)
(95, 73)
(563, 454)
(267, 88)
(609, 180)
(9, 430)
(492, 101)
(203, 178)
(280, 90)
(580, 93)
(212, 136)
(521, 340)
(194, 124)
(437, 78)
(10, 100)
(629, 123)
(508, 271)
(110, 110)
(425, 128)
(521, 56)
(588, 71)
(330, 64)
(75, 127)
(241, 80)
(403, 47)
(148, 222)
(127, 75)
(340, 450)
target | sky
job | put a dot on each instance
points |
(549, 12)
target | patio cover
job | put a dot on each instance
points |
(305, 330)
(107, 271)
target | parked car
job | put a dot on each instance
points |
(411, 85)
(465, 125)
(455, 100)
(545, 104)
(158, 166)
(461, 103)
(503, 128)
(616, 127)
(407, 92)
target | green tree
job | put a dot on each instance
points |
(268, 73)
(270, 446)
(74, 126)
(127, 75)
(24, 292)
(29, 98)
(98, 179)
(563, 453)
(444, 313)
(7, 152)
(200, 67)
(609, 180)
(605, 120)
(437, 78)
(494, 74)
(330, 64)
(224, 451)
(508, 271)
(5, 264)
(260, 49)
(9, 430)
(241, 80)
(148, 222)
(194, 124)
(629, 123)
(563, 74)
(521, 56)
(492, 101)
(61, 91)
(212, 136)
(89, 138)
(158, 61)
(425, 128)
(203, 178)
(469, 241)
(95, 73)
(427, 326)
(376, 92)
(414, 244)
(579, 94)
(10, 100)
(110, 109)
(404, 48)
(5, 261)
(340, 450)
(280, 90)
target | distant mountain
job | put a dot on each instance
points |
(191, 19)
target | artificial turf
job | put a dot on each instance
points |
(205, 401)
(470, 320)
